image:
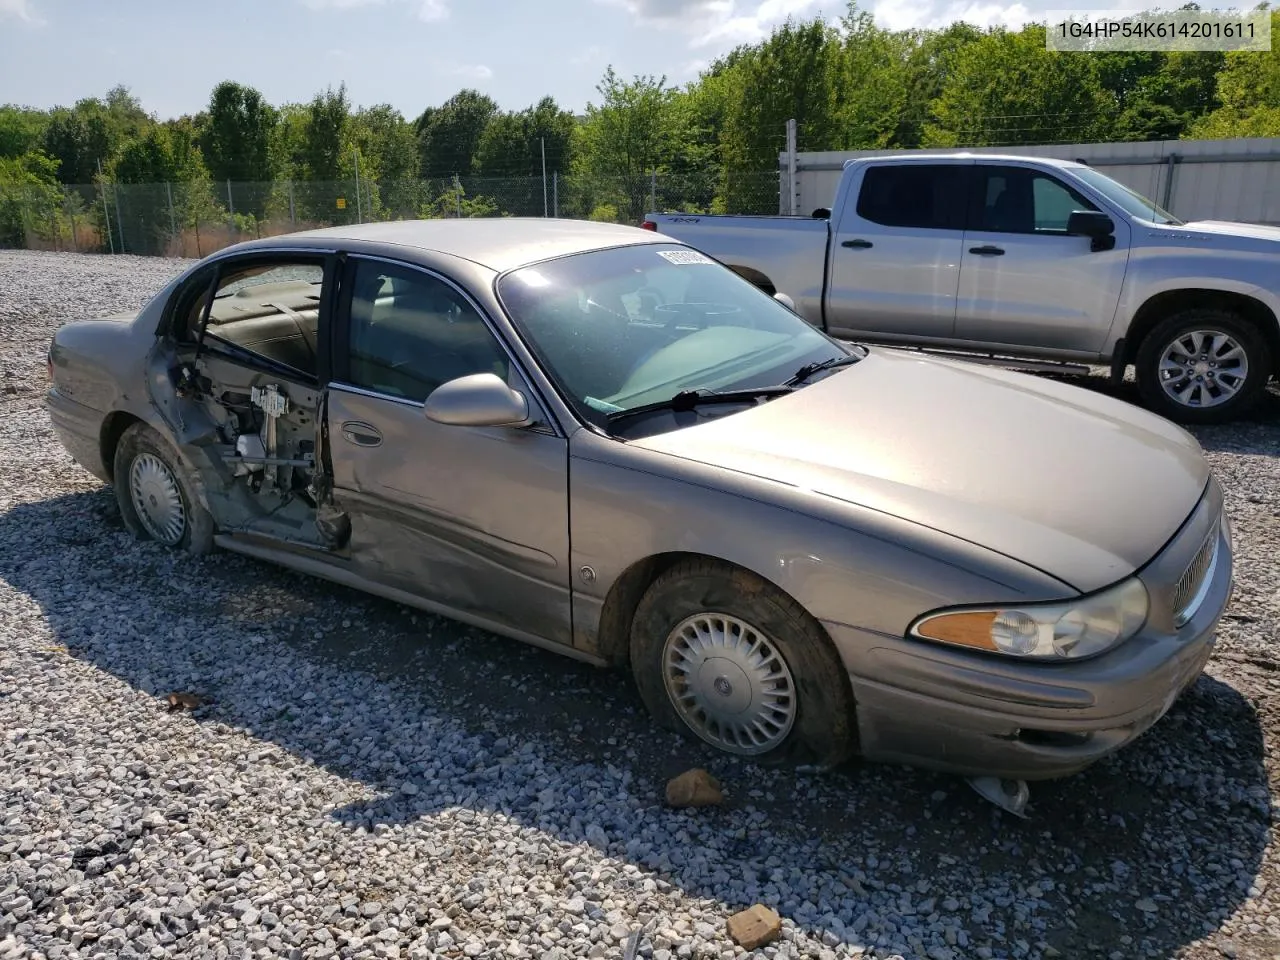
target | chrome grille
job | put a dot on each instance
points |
(1187, 593)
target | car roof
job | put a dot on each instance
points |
(499, 243)
(925, 157)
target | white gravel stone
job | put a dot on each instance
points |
(373, 782)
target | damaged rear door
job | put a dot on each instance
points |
(238, 377)
(472, 518)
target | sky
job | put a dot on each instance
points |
(409, 53)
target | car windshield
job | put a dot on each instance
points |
(1130, 201)
(624, 327)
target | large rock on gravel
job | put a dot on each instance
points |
(694, 788)
(754, 927)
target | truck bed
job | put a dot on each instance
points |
(780, 254)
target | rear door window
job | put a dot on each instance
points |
(925, 196)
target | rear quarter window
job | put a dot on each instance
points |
(916, 195)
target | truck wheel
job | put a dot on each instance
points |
(155, 494)
(1203, 365)
(720, 654)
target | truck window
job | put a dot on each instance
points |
(921, 195)
(1021, 200)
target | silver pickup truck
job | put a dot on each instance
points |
(1027, 262)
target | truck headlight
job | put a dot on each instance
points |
(1066, 630)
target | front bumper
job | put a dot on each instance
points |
(933, 706)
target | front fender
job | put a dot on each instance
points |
(842, 563)
(1156, 272)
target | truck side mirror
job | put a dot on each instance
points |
(1094, 224)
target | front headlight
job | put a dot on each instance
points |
(1067, 630)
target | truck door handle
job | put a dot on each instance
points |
(860, 244)
(361, 434)
(987, 251)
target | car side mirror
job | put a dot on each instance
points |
(786, 301)
(478, 400)
(1094, 224)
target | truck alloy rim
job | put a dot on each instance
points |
(157, 499)
(1203, 368)
(729, 683)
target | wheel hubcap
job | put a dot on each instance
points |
(1203, 368)
(729, 683)
(157, 499)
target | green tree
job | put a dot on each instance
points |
(288, 140)
(29, 197)
(236, 139)
(389, 155)
(1008, 89)
(449, 135)
(125, 114)
(159, 178)
(930, 61)
(1249, 90)
(872, 85)
(795, 73)
(624, 138)
(323, 135)
(80, 138)
(21, 129)
(1157, 95)
(512, 143)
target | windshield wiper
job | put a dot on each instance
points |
(688, 399)
(809, 369)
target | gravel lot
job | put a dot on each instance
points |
(372, 782)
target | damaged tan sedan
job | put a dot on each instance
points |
(596, 440)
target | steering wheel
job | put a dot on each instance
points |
(694, 316)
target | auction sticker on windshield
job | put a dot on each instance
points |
(684, 256)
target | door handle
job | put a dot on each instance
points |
(361, 434)
(859, 244)
(987, 251)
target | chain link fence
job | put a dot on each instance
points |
(195, 218)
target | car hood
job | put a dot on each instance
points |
(1253, 236)
(1081, 486)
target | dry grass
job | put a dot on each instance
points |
(196, 242)
(86, 238)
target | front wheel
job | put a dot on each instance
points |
(155, 493)
(1203, 365)
(721, 654)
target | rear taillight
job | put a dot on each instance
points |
(649, 225)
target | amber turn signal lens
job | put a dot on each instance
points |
(966, 629)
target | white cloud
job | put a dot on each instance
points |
(428, 10)
(908, 14)
(719, 22)
(591, 54)
(470, 71)
(21, 10)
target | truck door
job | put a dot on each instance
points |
(894, 262)
(1025, 282)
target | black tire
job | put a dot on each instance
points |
(197, 525)
(823, 731)
(1214, 320)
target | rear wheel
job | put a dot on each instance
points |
(1203, 365)
(721, 654)
(156, 495)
